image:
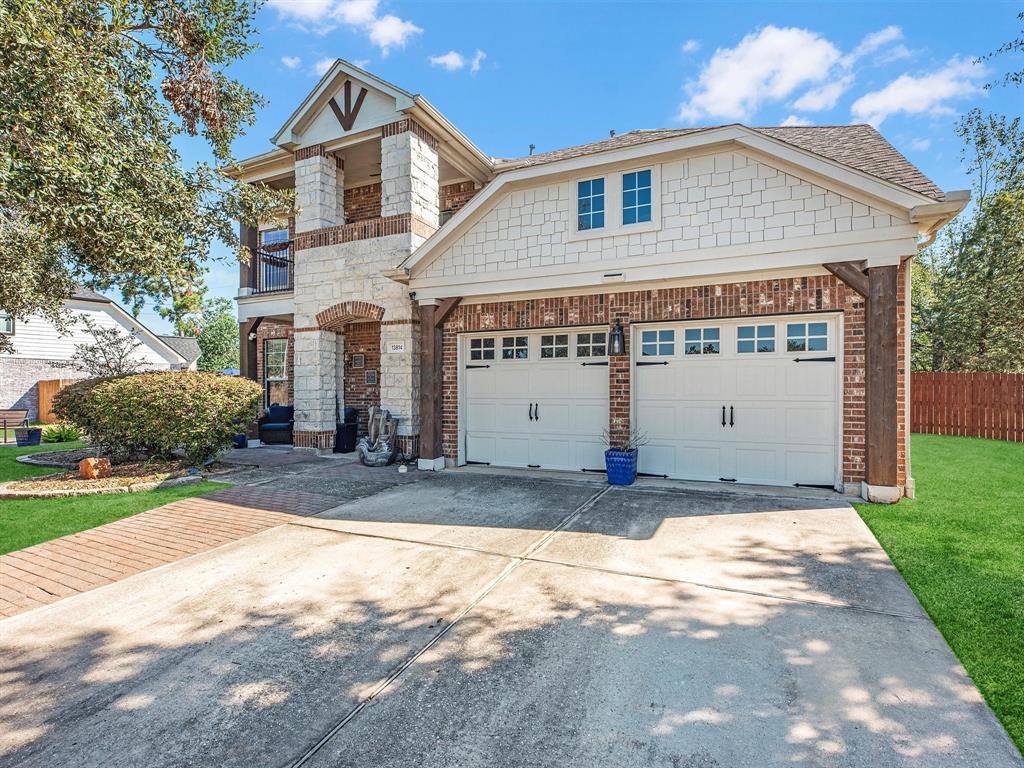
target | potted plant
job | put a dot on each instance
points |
(28, 436)
(620, 458)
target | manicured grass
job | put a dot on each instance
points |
(960, 547)
(25, 522)
(12, 470)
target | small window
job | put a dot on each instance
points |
(755, 338)
(592, 344)
(702, 341)
(807, 337)
(636, 197)
(555, 345)
(481, 349)
(6, 324)
(657, 343)
(590, 204)
(273, 236)
(515, 348)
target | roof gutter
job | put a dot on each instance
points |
(934, 216)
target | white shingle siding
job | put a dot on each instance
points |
(706, 202)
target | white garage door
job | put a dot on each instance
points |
(536, 399)
(750, 401)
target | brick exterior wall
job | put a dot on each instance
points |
(18, 379)
(770, 297)
(454, 196)
(271, 330)
(362, 203)
(364, 339)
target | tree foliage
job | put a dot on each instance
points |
(218, 336)
(93, 95)
(968, 297)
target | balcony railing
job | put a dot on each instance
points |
(272, 270)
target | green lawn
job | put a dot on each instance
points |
(25, 522)
(960, 547)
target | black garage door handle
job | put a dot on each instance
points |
(723, 415)
(731, 424)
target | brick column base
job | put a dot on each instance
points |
(320, 440)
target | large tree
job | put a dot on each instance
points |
(218, 335)
(968, 299)
(93, 95)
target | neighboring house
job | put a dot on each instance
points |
(756, 278)
(187, 347)
(39, 348)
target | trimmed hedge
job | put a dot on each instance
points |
(160, 412)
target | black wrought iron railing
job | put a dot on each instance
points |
(272, 270)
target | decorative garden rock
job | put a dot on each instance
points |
(94, 469)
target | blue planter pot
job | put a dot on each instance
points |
(621, 466)
(28, 436)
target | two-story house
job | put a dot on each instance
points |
(737, 295)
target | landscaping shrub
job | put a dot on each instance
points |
(61, 433)
(157, 413)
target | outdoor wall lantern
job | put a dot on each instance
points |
(617, 339)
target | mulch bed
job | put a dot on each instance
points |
(128, 473)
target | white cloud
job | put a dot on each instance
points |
(322, 66)
(825, 96)
(795, 120)
(872, 43)
(767, 65)
(322, 16)
(925, 94)
(920, 145)
(292, 62)
(691, 46)
(478, 59)
(451, 61)
(391, 32)
(454, 61)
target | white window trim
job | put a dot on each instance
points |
(613, 225)
(676, 349)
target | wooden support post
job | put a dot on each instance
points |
(881, 364)
(250, 239)
(247, 348)
(850, 275)
(431, 373)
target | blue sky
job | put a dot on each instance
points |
(557, 74)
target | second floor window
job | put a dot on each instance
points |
(636, 197)
(590, 204)
(273, 236)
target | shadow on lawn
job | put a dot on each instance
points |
(558, 665)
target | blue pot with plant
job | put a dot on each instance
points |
(620, 459)
(25, 436)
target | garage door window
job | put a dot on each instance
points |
(481, 349)
(591, 344)
(515, 348)
(807, 337)
(556, 345)
(658, 343)
(702, 341)
(755, 338)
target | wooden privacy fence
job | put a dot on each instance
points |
(969, 404)
(46, 390)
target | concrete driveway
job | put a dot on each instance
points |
(475, 620)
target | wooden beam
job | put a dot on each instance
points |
(250, 239)
(444, 309)
(431, 376)
(850, 275)
(881, 363)
(247, 348)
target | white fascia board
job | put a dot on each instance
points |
(876, 247)
(738, 134)
(265, 305)
(481, 168)
(317, 98)
(150, 339)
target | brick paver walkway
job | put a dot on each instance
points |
(82, 561)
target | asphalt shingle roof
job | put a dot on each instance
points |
(186, 346)
(857, 146)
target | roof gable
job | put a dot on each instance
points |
(347, 100)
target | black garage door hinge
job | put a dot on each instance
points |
(604, 363)
(533, 466)
(478, 366)
(814, 359)
(651, 362)
(479, 463)
(727, 479)
(814, 485)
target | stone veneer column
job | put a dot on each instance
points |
(316, 384)
(409, 172)
(400, 377)
(317, 189)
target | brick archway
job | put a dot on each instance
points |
(334, 318)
